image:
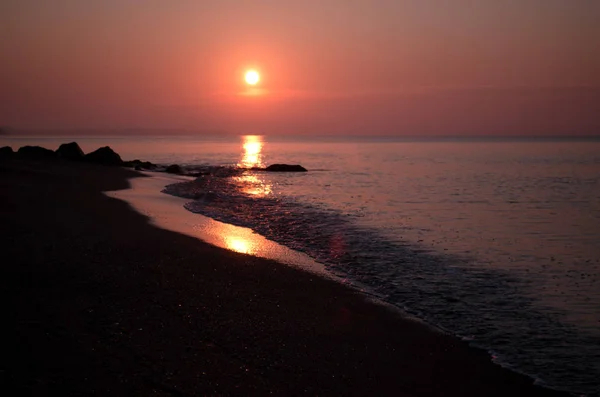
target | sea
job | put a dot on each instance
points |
(496, 241)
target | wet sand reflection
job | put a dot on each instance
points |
(238, 244)
(168, 212)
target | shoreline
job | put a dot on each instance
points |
(167, 212)
(100, 300)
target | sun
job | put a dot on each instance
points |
(252, 77)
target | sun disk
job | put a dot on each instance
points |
(252, 77)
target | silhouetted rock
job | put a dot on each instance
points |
(6, 151)
(105, 155)
(131, 164)
(36, 153)
(285, 168)
(139, 165)
(174, 169)
(70, 151)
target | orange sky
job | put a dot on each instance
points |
(412, 67)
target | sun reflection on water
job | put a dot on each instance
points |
(252, 157)
(251, 184)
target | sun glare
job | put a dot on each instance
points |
(252, 155)
(252, 77)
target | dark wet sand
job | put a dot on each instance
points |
(97, 301)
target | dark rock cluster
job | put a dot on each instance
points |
(174, 169)
(70, 151)
(140, 165)
(6, 151)
(36, 153)
(106, 156)
(67, 151)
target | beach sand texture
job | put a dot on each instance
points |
(97, 301)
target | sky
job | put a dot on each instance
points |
(329, 67)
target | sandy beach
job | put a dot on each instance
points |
(99, 301)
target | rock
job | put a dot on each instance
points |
(285, 168)
(70, 151)
(142, 165)
(174, 169)
(6, 151)
(148, 165)
(131, 163)
(36, 153)
(105, 156)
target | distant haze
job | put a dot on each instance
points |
(397, 67)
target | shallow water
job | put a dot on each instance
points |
(498, 242)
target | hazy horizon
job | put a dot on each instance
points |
(416, 68)
(23, 136)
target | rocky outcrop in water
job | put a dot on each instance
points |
(36, 153)
(174, 169)
(70, 151)
(285, 168)
(139, 165)
(105, 156)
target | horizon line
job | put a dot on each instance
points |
(166, 133)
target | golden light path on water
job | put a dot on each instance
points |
(252, 156)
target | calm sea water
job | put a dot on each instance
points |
(497, 242)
